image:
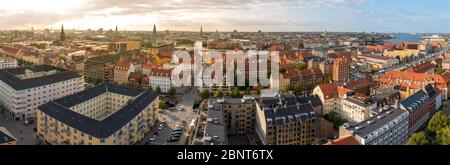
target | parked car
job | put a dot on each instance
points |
(160, 127)
(152, 138)
(172, 139)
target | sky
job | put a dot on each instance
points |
(412, 16)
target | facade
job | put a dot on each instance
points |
(354, 110)
(239, 115)
(388, 127)
(420, 107)
(284, 121)
(6, 62)
(341, 70)
(426, 67)
(98, 68)
(401, 54)
(416, 81)
(6, 138)
(23, 89)
(106, 114)
(162, 78)
(379, 62)
(121, 72)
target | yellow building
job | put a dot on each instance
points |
(401, 53)
(106, 114)
(121, 72)
(6, 138)
(134, 45)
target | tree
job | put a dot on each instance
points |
(297, 88)
(158, 89)
(288, 88)
(335, 118)
(150, 88)
(443, 136)
(438, 122)
(282, 70)
(247, 91)
(235, 93)
(172, 91)
(161, 104)
(300, 66)
(205, 94)
(320, 81)
(418, 139)
(219, 94)
(258, 91)
(309, 85)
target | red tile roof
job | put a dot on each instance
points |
(345, 140)
(422, 68)
(161, 72)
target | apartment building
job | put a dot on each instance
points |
(162, 78)
(341, 70)
(421, 107)
(23, 89)
(417, 81)
(6, 62)
(106, 114)
(388, 127)
(283, 121)
(354, 110)
(343, 101)
(122, 70)
(239, 114)
(100, 68)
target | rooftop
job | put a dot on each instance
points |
(414, 101)
(34, 76)
(5, 136)
(368, 126)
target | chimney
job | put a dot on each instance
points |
(396, 104)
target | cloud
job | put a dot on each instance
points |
(224, 15)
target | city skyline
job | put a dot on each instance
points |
(273, 16)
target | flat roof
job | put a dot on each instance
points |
(10, 76)
(59, 109)
(365, 127)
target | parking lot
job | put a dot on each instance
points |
(176, 116)
(24, 134)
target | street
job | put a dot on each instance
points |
(172, 118)
(25, 135)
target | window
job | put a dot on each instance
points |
(102, 140)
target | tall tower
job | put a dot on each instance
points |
(154, 28)
(201, 31)
(117, 31)
(62, 36)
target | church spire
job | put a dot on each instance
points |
(154, 28)
(62, 36)
(201, 31)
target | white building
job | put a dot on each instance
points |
(6, 62)
(23, 89)
(388, 127)
(162, 78)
